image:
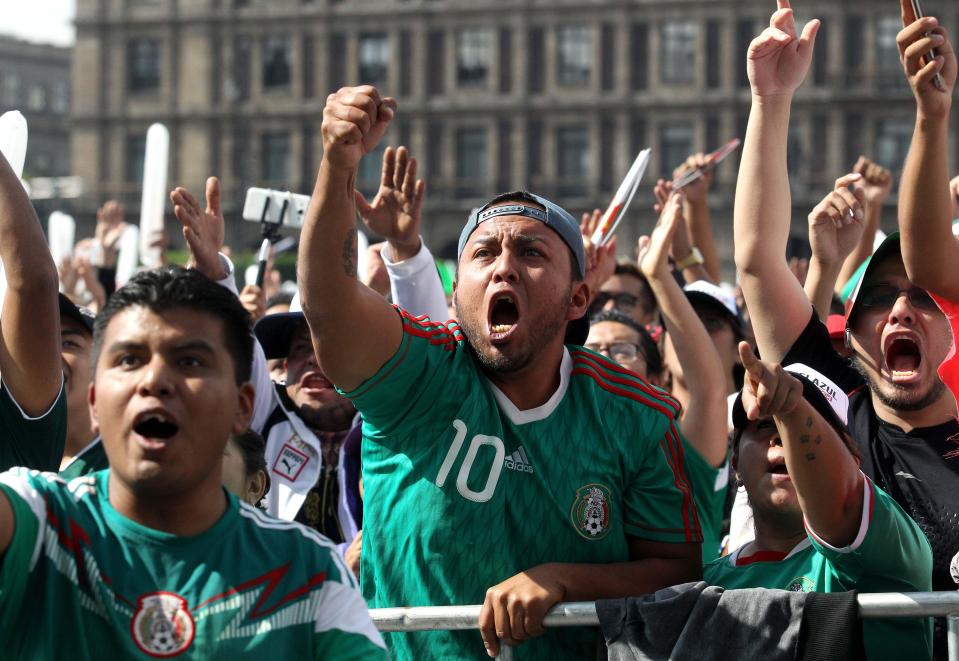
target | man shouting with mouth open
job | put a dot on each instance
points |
(501, 466)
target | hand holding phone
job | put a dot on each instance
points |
(937, 81)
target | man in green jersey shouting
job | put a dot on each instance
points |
(501, 466)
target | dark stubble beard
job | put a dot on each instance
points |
(542, 331)
(331, 417)
(900, 400)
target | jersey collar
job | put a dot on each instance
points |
(518, 417)
(737, 559)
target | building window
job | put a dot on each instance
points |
(854, 29)
(676, 144)
(535, 59)
(37, 98)
(276, 157)
(471, 162)
(575, 55)
(473, 56)
(887, 52)
(240, 69)
(11, 90)
(143, 65)
(276, 62)
(136, 150)
(678, 41)
(893, 137)
(572, 149)
(639, 57)
(61, 97)
(375, 58)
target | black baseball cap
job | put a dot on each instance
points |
(70, 310)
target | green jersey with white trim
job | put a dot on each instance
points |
(463, 490)
(709, 487)
(33, 442)
(889, 554)
(110, 588)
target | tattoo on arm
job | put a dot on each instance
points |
(810, 456)
(349, 253)
(804, 438)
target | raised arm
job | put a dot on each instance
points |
(826, 476)
(835, 227)
(704, 419)
(395, 214)
(929, 249)
(777, 63)
(699, 227)
(876, 184)
(355, 331)
(30, 321)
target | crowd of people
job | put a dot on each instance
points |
(190, 469)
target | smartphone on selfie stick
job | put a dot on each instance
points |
(937, 81)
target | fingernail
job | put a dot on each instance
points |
(859, 214)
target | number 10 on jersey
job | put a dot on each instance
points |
(478, 441)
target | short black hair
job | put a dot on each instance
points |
(647, 345)
(281, 298)
(253, 449)
(172, 287)
(625, 267)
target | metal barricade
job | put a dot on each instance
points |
(871, 606)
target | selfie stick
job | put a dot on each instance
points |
(271, 234)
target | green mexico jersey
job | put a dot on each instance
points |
(709, 487)
(33, 442)
(889, 554)
(463, 490)
(79, 580)
(90, 459)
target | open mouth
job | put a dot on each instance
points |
(156, 426)
(903, 358)
(315, 381)
(503, 317)
(779, 469)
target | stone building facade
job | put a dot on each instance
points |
(553, 95)
(35, 79)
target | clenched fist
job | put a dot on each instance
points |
(354, 121)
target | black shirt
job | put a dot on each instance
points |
(919, 469)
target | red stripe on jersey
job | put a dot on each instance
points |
(637, 397)
(673, 455)
(647, 392)
(681, 459)
(635, 380)
(761, 556)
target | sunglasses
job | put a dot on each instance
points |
(621, 301)
(620, 351)
(883, 297)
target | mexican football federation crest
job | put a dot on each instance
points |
(162, 625)
(590, 513)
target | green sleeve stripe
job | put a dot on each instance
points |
(391, 365)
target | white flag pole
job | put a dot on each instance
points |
(13, 145)
(154, 193)
(61, 235)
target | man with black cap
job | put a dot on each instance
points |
(494, 455)
(902, 417)
(32, 401)
(820, 524)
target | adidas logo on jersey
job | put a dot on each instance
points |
(518, 461)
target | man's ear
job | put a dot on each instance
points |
(256, 486)
(244, 412)
(579, 298)
(92, 403)
(453, 297)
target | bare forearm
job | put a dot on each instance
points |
(30, 321)
(355, 330)
(584, 582)
(705, 412)
(763, 201)
(819, 287)
(26, 260)
(326, 266)
(701, 236)
(862, 251)
(827, 479)
(929, 249)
